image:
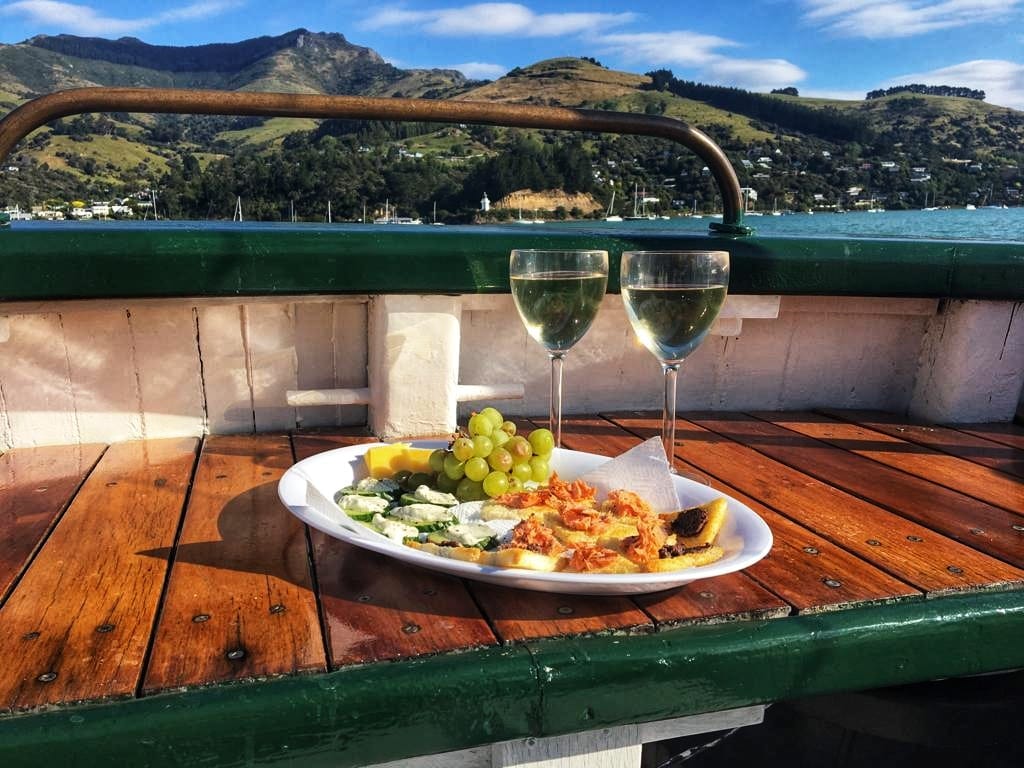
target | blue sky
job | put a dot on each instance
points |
(836, 48)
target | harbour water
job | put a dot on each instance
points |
(990, 224)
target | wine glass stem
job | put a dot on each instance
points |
(668, 417)
(555, 413)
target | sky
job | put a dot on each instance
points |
(826, 48)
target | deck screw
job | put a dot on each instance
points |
(266, 473)
(104, 628)
(707, 595)
(429, 592)
(221, 477)
(531, 742)
(954, 569)
(277, 608)
(565, 610)
(236, 654)
(832, 583)
(977, 531)
(1018, 527)
(30, 636)
(874, 543)
(411, 629)
(47, 677)
(811, 550)
(364, 598)
(199, 618)
(42, 489)
(160, 482)
(111, 484)
(914, 538)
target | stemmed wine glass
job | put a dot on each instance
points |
(558, 294)
(672, 299)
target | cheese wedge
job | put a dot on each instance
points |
(386, 460)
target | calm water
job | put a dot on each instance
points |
(997, 224)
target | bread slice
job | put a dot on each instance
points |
(513, 557)
(715, 511)
(688, 560)
(469, 554)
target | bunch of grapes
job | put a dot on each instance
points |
(492, 459)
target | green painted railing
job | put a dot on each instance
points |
(384, 712)
(110, 260)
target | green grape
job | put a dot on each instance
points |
(454, 468)
(469, 490)
(495, 484)
(499, 437)
(493, 415)
(416, 479)
(509, 426)
(515, 485)
(522, 471)
(520, 448)
(482, 446)
(500, 460)
(477, 469)
(462, 448)
(437, 460)
(480, 425)
(542, 441)
(445, 483)
(540, 468)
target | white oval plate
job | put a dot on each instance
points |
(307, 489)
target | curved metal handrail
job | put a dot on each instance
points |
(37, 112)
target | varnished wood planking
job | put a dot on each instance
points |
(375, 607)
(807, 571)
(958, 474)
(1007, 434)
(80, 619)
(910, 552)
(954, 442)
(36, 485)
(729, 597)
(239, 602)
(966, 519)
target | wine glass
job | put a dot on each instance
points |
(558, 294)
(672, 299)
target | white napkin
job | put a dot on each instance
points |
(643, 470)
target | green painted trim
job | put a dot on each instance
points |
(108, 260)
(388, 711)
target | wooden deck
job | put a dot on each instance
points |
(135, 569)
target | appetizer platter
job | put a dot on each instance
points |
(578, 528)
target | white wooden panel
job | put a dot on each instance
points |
(351, 355)
(270, 341)
(101, 359)
(314, 353)
(607, 748)
(170, 383)
(36, 383)
(225, 370)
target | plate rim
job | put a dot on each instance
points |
(292, 492)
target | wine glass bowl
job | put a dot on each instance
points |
(672, 299)
(557, 294)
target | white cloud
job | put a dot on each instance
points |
(503, 19)
(85, 20)
(1002, 81)
(878, 19)
(479, 70)
(700, 54)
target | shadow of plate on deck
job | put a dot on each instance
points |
(259, 536)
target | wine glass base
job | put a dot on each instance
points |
(690, 475)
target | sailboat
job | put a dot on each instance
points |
(238, 210)
(328, 218)
(640, 205)
(435, 222)
(775, 208)
(609, 216)
(931, 207)
(694, 214)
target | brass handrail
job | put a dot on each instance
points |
(35, 113)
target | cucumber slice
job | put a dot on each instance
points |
(464, 535)
(426, 517)
(362, 508)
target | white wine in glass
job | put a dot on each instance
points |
(672, 299)
(558, 294)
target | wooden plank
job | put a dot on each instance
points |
(79, 621)
(227, 387)
(945, 439)
(970, 521)
(910, 552)
(270, 349)
(807, 571)
(36, 485)
(377, 608)
(239, 601)
(1007, 434)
